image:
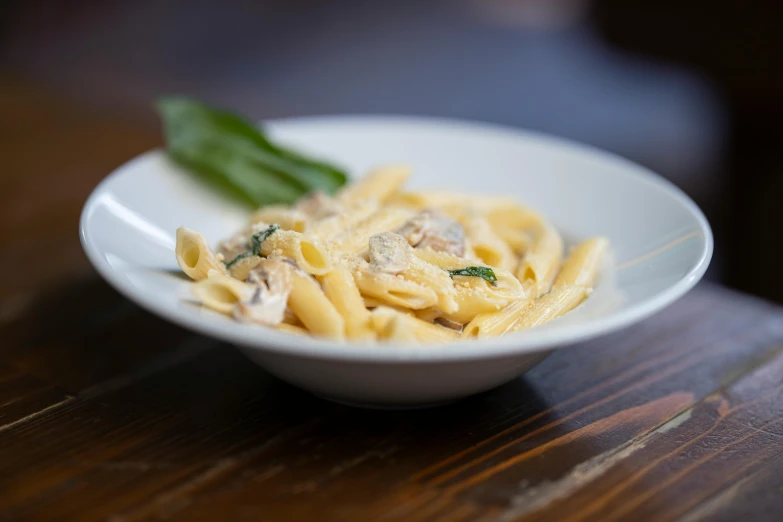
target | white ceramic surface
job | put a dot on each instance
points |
(661, 245)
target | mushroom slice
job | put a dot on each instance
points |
(272, 280)
(434, 229)
(389, 253)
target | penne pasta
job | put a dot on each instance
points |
(474, 301)
(340, 288)
(512, 215)
(330, 227)
(487, 245)
(434, 279)
(496, 323)
(309, 303)
(194, 256)
(428, 199)
(239, 269)
(355, 241)
(377, 185)
(308, 252)
(583, 263)
(559, 301)
(287, 218)
(390, 289)
(517, 239)
(391, 325)
(221, 293)
(506, 286)
(292, 329)
(374, 263)
(540, 264)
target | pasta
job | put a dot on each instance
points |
(582, 265)
(487, 245)
(376, 264)
(318, 314)
(538, 267)
(355, 240)
(559, 301)
(340, 288)
(194, 256)
(288, 218)
(378, 185)
(392, 325)
(309, 253)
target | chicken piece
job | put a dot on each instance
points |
(273, 280)
(389, 253)
(436, 230)
(319, 206)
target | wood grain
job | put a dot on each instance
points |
(109, 414)
(213, 436)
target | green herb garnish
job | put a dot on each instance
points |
(260, 237)
(236, 156)
(484, 272)
(255, 244)
(240, 257)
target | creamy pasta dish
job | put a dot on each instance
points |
(376, 262)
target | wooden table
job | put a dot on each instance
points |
(110, 414)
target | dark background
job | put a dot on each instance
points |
(690, 89)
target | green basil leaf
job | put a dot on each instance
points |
(241, 256)
(259, 237)
(484, 272)
(236, 156)
(256, 240)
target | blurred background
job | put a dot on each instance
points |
(689, 89)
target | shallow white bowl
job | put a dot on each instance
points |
(661, 243)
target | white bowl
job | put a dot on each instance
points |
(661, 243)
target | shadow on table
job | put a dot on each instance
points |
(126, 366)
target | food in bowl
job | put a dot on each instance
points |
(374, 262)
(367, 261)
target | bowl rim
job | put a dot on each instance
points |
(538, 339)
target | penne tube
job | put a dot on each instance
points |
(488, 246)
(390, 289)
(513, 215)
(378, 185)
(517, 239)
(371, 302)
(194, 256)
(540, 264)
(559, 301)
(330, 227)
(239, 269)
(355, 241)
(496, 323)
(309, 303)
(472, 302)
(507, 286)
(429, 315)
(221, 293)
(292, 329)
(340, 288)
(428, 199)
(394, 326)
(285, 217)
(437, 280)
(309, 253)
(583, 263)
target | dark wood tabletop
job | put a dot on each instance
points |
(108, 413)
